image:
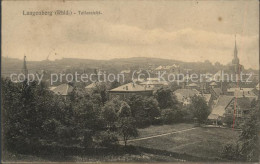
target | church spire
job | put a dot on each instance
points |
(24, 69)
(235, 50)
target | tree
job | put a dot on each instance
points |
(231, 151)
(247, 146)
(109, 114)
(228, 120)
(101, 90)
(143, 109)
(136, 104)
(127, 128)
(199, 108)
(171, 116)
(249, 138)
(166, 99)
(151, 108)
(115, 84)
(125, 110)
(28, 111)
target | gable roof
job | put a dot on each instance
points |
(90, 86)
(222, 103)
(131, 87)
(94, 84)
(63, 89)
(184, 93)
(213, 84)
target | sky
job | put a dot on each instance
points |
(179, 30)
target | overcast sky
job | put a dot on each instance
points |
(180, 30)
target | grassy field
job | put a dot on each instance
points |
(164, 143)
(200, 142)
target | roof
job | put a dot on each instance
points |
(154, 83)
(90, 86)
(245, 102)
(63, 89)
(168, 67)
(218, 91)
(131, 87)
(51, 88)
(206, 96)
(184, 93)
(213, 116)
(219, 76)
(242, 92)
(93, 85)
(192, 85)
(138, 80)
(222, 103)
(213, 83)
(126, 71)
(153, 79)
(239, 89)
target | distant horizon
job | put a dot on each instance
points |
(121, 58)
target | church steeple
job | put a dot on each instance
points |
(235, 50)
(24, 69)
(235, 60)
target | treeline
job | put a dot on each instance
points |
(247, 147)
(34, 116)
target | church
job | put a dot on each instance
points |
(236, 68)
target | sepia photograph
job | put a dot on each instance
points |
(151, 81)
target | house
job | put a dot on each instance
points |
(192, 86)
(155, 84)
(213, 84)
(125, 72)
(167, 69)
(63, 89)
(215, 92)
(92, 86)
(184, 95)
(241, 92)
(242, 104)
(130, 89)
(227, 105)
(218, 110)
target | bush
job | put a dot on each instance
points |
(170, 116)
(107, 139)
(142, 122)
(228, 120)
(231, 151)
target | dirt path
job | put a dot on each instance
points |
(159, 135)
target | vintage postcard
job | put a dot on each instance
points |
(130, 81)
